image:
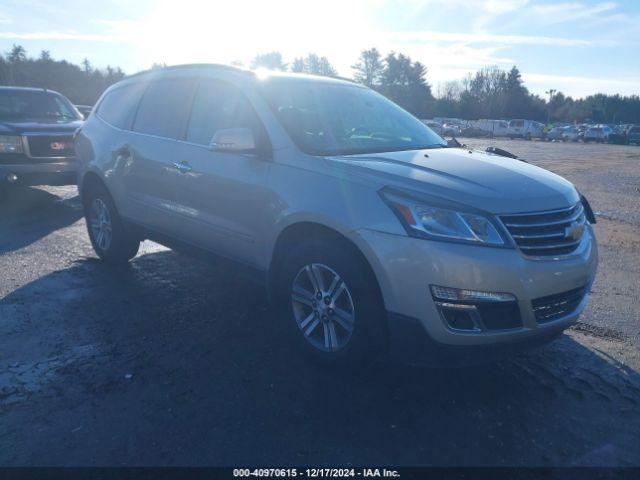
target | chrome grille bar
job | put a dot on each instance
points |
(548, 233)
(573, 218)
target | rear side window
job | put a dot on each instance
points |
(218, 105)
(119, 105)
(164, 108)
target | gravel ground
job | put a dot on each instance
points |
(174, 361)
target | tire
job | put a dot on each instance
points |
(108, 234)
(311, 332)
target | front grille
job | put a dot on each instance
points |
(553, 307)
(44, 146)
(551, 233)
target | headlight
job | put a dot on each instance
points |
(10, 144)
(436, 223)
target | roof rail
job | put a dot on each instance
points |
(215, 66)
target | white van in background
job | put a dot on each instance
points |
(527, 129)
(495, 128)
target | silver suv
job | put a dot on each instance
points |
(369, 232)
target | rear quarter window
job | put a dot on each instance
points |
(119, 105)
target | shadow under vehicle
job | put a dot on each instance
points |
(171, 361)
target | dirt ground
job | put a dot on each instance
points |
(174, 361)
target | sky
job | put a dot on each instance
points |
(578, 47)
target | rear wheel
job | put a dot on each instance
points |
(329, 302)
(107, 232)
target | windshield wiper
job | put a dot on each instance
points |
(435, 145)
(57, 115)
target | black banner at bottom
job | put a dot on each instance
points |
(426, 473)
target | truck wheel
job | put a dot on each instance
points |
(329, 302)
(107, 232)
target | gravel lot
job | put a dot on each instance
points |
(174, 361)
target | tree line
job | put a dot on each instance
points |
(489, 93)
(82, 84)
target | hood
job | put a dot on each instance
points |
(489, 182)
(39, 126)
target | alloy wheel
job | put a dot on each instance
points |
(323, 307)
(100, 224)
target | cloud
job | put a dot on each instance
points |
(580, 86)
(486, 38)
(565, 12)
(57, 35)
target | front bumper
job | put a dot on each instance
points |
(405, 267)
(59, 173)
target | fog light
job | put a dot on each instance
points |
(12, 178)
(476, 311)
(456, 294)
(463, 318)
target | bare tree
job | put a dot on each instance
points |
(270, 61)
(369, 68)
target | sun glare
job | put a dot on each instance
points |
(228, 31)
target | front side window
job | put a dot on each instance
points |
(325, 118)
(22, 105)
(164, 108)
(219, 105)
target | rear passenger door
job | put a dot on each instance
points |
(153, 175)
(225, 194)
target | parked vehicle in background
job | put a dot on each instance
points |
(433, 125)
(581, 129)
(36, 137)
(451, 130)
(633, 135)
(570, 134)
(361, 221)
(494, 128)
(599, 133)
(85, 110)
(471, 130)
(556, 133)
(618, 135)
(450, 121)
(527, 129)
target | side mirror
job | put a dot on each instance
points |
(235, 140)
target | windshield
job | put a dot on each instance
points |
(338, 119)
(31, 105)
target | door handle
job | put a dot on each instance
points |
(182, 167)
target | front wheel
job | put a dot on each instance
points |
(107, 232)
(329, 302)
